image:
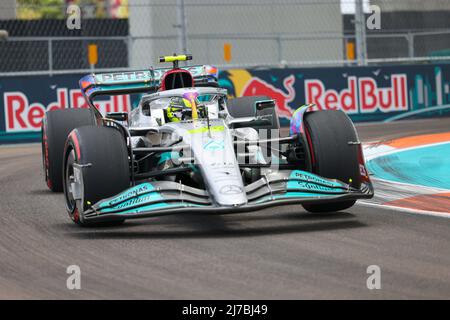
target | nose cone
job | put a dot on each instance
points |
(215, 157)
(229, 192)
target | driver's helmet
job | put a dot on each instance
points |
(179, 109)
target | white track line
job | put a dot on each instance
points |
(371, 156)
(19, 145)
(426, 189)
(370, 153)
(408, 210)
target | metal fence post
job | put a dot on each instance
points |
(280, 50)
(360, 32)
(277, 58)
(129, 48)
(50, 56)
(182, 37)
(208, 53)
(410, 39)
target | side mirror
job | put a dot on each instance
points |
(118, 116)
(251, 122)
(223, 114)
(264, 104)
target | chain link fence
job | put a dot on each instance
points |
(225, 33)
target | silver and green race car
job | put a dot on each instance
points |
(187, 148)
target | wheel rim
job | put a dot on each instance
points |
(45, 159)
(68, 179)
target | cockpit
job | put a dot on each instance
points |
(183, 105)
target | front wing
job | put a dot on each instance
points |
(159, 198)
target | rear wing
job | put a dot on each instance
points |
(141, 81)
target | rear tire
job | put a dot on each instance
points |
(328, 134)
(56, 126)
(102, 152)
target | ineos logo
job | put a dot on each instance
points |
(231, 190)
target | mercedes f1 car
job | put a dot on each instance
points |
(188, 148)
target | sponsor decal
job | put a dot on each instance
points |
(259, 87)
(309, 177)
(214, 145)
(206, 129)
(370, 93)
(128, 194)
(120, 77)
(140, 200)
(23, 115)
(362, 95)
(302, 185)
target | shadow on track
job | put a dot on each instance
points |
(40, 192)
(219, 226)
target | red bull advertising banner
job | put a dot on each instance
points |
(366, 94)
(25, 99)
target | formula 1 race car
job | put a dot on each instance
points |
(188, 148)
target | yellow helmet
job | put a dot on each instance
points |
(180, 109)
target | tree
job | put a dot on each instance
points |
(40, 9)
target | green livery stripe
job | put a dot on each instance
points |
(205, 129)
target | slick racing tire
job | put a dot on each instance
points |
(102, 156)
(244, 107)
(56, 126)
(328, 135)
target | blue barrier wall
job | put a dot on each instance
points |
(364, 93)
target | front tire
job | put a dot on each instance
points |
(102, 155)
(328, 135)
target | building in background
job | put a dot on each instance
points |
(409, 29)
(259, 31)
(7, 9)
(412, 5)
(226, 33)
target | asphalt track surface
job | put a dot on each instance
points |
(278, 253)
